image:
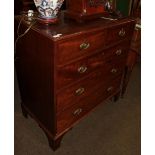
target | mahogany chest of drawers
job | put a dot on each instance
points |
(65, 70)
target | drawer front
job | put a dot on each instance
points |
(118, 33)
(75, 71)
(67, 97)
(71, 115)
(117, 52)
(79, 46)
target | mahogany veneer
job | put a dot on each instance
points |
(82, 10)
(63, 78)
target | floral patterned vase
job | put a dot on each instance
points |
(48, 10)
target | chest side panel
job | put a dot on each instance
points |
(35, 73)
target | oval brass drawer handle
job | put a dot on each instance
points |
(82, 69)
(84, 46)
(77, 112)
(110, 89)
(114, 70)
(79, 91)
(119, 52)
(122, 33)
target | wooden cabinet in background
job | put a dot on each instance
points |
(65, 70)
(134, 56)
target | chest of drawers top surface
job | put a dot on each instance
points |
(70, 28)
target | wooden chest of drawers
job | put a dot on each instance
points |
(64, 71)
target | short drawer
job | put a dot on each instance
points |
(120, 32)
(83, 89)
(67, 118)
(79, 46)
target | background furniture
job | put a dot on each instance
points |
(64, 71)
(135, 48)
